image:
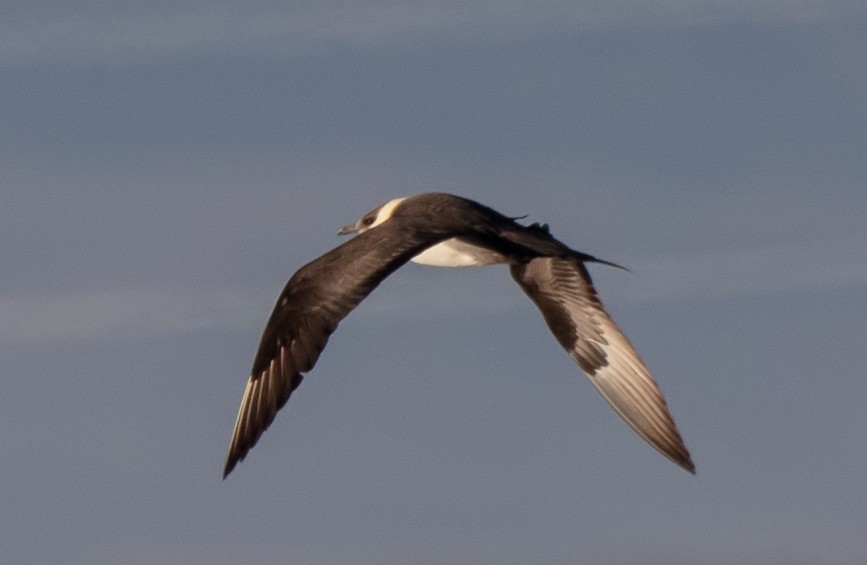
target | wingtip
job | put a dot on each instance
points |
(683, 459)
(230, 465)
(234, 457)
(689, 466)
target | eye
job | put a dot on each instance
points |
(367, 221)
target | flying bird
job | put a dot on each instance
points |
(450, 231)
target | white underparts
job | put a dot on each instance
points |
(454, 253)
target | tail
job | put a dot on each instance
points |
(591, 259)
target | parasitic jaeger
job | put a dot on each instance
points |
(450, 231)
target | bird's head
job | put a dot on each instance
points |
(372, 218)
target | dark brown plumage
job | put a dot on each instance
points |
(447, 230)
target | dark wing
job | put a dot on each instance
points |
(315, 300)
(563, 291)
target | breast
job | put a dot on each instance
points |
(457, 253)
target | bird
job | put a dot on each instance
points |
(446, 230)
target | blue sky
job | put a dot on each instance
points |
(166, 167)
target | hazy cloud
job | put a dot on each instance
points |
(92, 32)
(146, 312)
(830, 265)
(120, 313)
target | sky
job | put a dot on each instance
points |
(165, 167)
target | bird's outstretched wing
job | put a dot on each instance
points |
(314, 301)
(563, 291)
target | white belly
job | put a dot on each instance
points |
(455, 253)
